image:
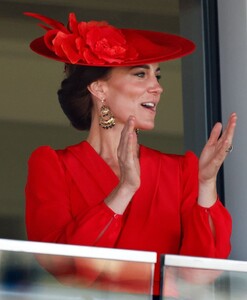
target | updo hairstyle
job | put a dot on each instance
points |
(75, 98)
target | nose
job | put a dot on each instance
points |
(155, 87)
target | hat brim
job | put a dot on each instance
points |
(152, 46)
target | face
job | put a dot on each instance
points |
(134, 91)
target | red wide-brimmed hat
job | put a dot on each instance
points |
(101, 44)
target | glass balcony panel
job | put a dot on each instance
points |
(30, 270)
(187, 278)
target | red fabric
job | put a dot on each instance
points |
(100, 44)
(65, 195)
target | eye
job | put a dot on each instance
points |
(158, 76)
(140, 74)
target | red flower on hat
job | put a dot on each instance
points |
(90, 42)
(107, 44)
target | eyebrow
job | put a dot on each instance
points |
(147, 67)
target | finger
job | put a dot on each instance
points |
(228, 137)
(132, 138)
(215, 134)
(127, 158)
(222, 153)
(232, 125)
(228, 133)
(131, 123)
(127, 128)
(124, 139)
(135, 145)
(231, 122)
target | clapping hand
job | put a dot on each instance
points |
(212, 157)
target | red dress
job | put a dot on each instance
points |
(65, 195)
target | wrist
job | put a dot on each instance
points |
(207, 195)
(127, 186)
(119, 199)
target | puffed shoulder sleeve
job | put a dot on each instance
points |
(198, 238)
(48, 207)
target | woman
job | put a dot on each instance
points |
(109, 191)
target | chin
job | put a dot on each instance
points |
(146, 127)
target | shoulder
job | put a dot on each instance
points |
(43, 160)
(46, 156)
(183, 159)
(45, 169)
(43, 153)
(47, 152)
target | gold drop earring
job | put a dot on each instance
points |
(137, 131)
(106, 118)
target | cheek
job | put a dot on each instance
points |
(126, 88)
(124, 99)
(128, 96)
(122, 107)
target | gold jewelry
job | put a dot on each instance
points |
(106, 118)
(229, 150)
(137, 130)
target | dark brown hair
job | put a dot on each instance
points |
(74, 96)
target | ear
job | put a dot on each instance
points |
(98, 89)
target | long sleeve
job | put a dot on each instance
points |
(49, 207)
(65, 194)
(198, 239)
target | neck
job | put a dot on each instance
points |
(105, 142)
(104, 146)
